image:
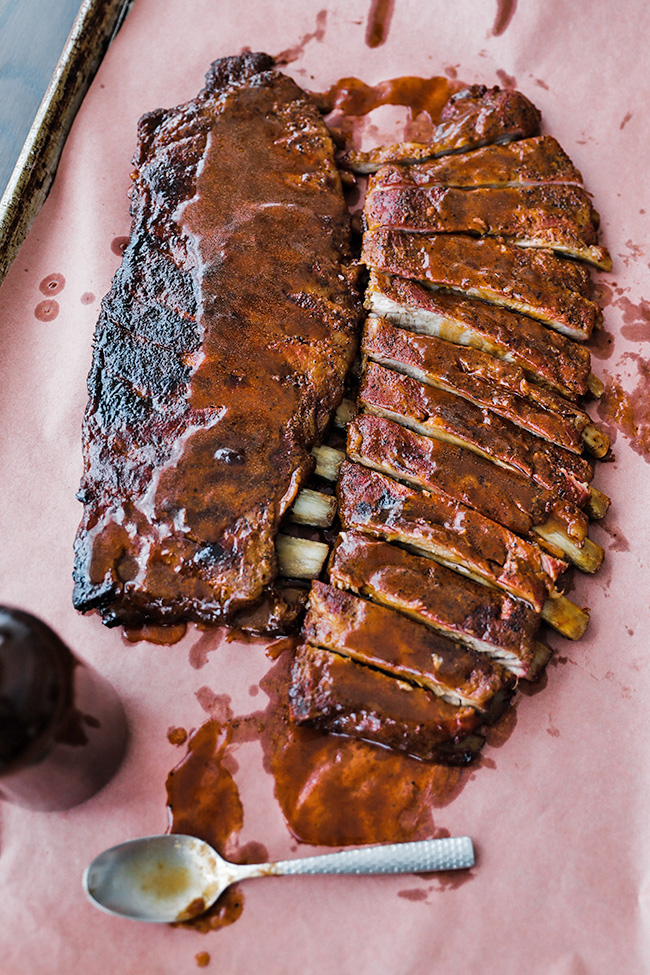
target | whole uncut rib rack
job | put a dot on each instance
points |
(220, 352)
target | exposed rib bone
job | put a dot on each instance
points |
(313, 508)
(300, 558)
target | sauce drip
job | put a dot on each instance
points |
(164, 636)
(505, 13)
(46, 311)
(333, 791)
(629, 412)
(349, 100)
(378, 25)
(52, 284)
(118, 245)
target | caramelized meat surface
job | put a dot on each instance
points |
(441, 528)
(554, 215)
(220, 352)
(501, 495)
(545, 356)
(379, 637)
(340, 695)
(525, 162)
(500, 387)
(486, 620)
(535, 282)
(476, 116)
(445, 416)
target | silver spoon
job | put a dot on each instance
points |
(174, 878)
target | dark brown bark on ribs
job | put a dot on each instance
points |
(453, 534)
(484, 619)
(219, 354)
(476, 116)
(478, 377)
(445, 416)
(535, 282)
(339, 695)
(527, 161)
(556, 216)
(544, 355)
(380, 637)
(500, 495)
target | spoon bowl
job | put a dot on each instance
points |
(175, 878)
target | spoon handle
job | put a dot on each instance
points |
(450, 853)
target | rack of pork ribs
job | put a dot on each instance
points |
(464, 491)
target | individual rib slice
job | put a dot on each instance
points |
(458, 537)
(437, 526)
(484, 619)
(489, 383)
(544, 355)
(502, 496)
(445, 416)
(473, 117)
(537, 283)
(524, 162)
(339, 695)
(220, 353)
(554, 216)
(380, 637)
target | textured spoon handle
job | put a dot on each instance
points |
(452, 853)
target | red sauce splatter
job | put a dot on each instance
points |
(626, 119)
(378, 24)
(204, 802)
(507, 80)
(202, 959)
(293, 53)
(88, 298)
(216, 705)
(199, 651)
(505, 13)
(52, 284)
(46, 311)
(629, 412)
(349, 100)
(415, 894)
(176, 736)
(118, 245)
(619, 541)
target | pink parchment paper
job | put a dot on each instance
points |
(560, 818)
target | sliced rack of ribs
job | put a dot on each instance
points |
(219, 355)
(465, 489)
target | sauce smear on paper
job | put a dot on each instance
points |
(378, 25)
(333, 791)
(349, 100)
(629, 412)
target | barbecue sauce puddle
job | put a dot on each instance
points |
(333, 791)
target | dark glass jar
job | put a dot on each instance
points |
(62, 727)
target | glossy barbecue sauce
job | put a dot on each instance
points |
(349, 100)
(333, 791)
